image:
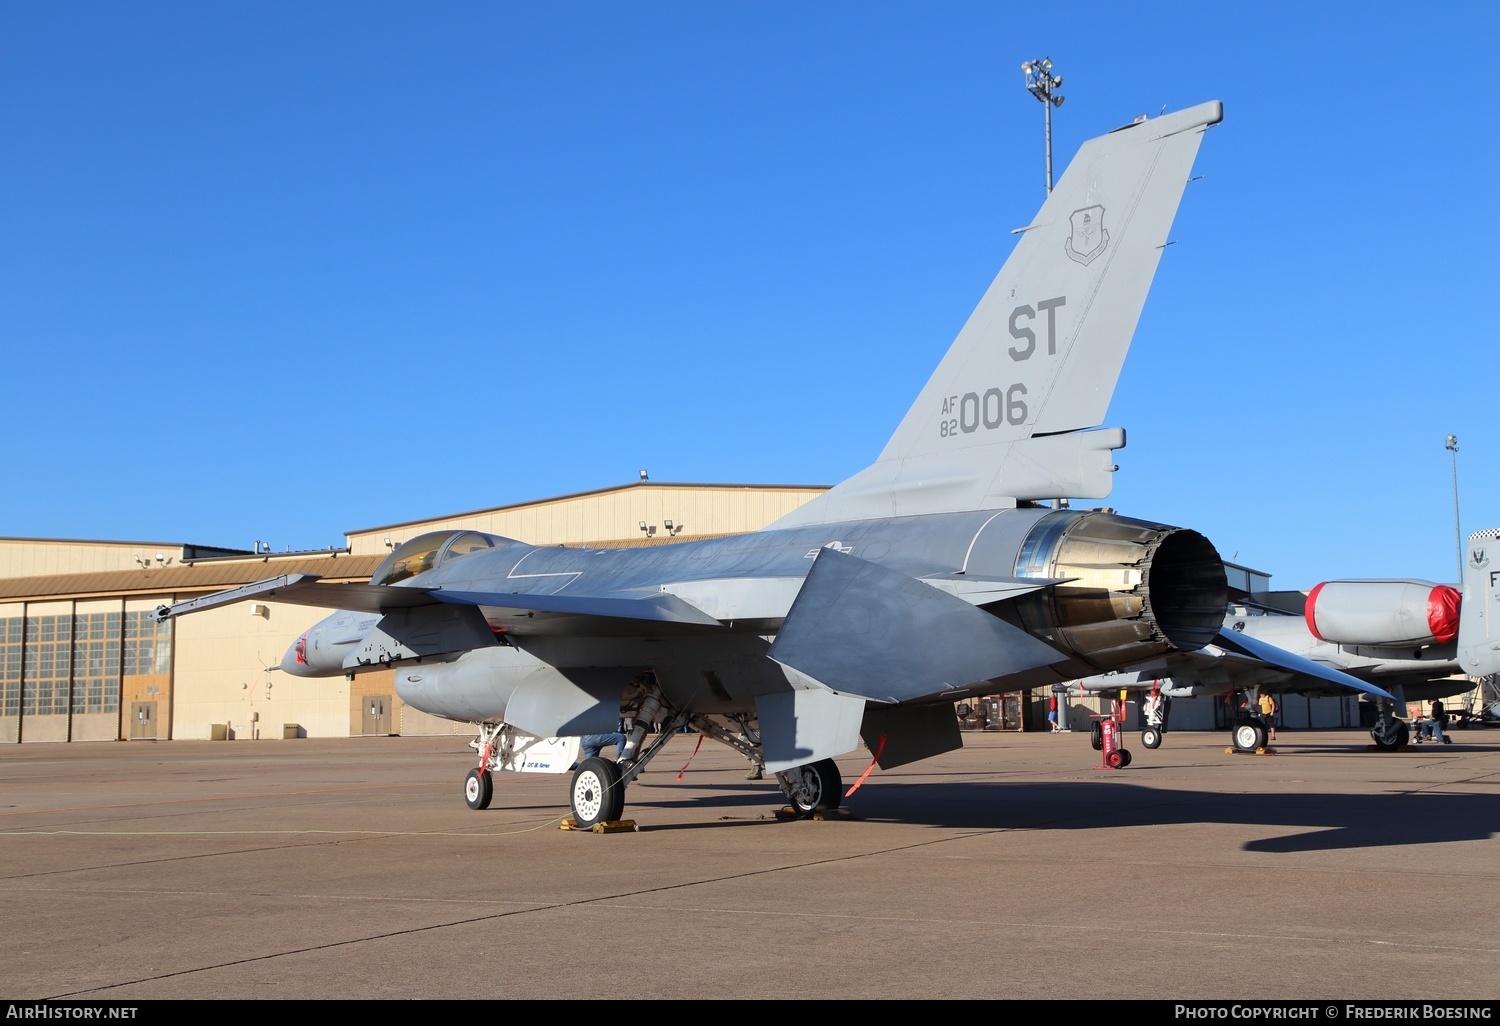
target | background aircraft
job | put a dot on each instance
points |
(1417, 640)
(934, 574)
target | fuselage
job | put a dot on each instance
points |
(573, 610)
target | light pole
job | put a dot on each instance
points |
(1451, 444)
(1041, 82)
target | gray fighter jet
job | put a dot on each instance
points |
(1417, 640)
(937, 573)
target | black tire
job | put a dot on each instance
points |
(1115, 759)
(1124, 757)
(1096, 736)
(1151, 737)
(814, 787)
(597, 796)
(478, 789)
(1249, 736)
(1391, 742)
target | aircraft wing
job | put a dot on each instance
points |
(698, 603)
(1234, 641)
(1234, 660)
(306, 590)
(501, 608)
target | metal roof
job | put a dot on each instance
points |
(216, 574)
(175, 580)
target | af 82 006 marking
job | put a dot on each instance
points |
(990, 410)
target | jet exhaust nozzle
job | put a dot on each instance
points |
(1138, 590)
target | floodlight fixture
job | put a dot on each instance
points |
(1041, 83)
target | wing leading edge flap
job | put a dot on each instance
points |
(861, 629)
(306, 590)
(1257, 649)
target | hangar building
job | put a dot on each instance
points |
(81, 659)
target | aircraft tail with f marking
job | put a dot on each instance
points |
(1007, 415)
(1479, 614)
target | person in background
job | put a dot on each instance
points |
(1268, 713)
(1052, 713)
(1434, 728)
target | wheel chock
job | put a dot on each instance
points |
(786, 812)
(614, 826)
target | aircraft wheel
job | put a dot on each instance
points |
(1096, 736)
(810, 788)
(597, 794)
(1248, 736)
(1115, 759)
(1151, 737)
(1391, 740)
(478, 788)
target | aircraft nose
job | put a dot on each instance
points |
(294, 660)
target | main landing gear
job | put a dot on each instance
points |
(596, 791)
(1249, 730)
(814, 788)
(1390, 733)
(1248, 736)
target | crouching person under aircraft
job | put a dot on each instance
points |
(593, 744)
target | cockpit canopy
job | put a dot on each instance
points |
(426, 551)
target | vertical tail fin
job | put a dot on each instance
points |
(1479, 615)
(1000, 419)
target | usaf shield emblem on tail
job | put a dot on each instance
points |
(1089, 237)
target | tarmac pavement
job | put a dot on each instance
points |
(1017, 867)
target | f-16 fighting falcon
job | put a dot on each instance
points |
(938, 572)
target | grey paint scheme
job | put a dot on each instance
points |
(932, 575)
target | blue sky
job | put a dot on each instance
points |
(286, 270)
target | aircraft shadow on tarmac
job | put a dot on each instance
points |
(1328, 821)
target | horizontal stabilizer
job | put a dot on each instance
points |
(981, 591)
(861, 629)
(1234, 641)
